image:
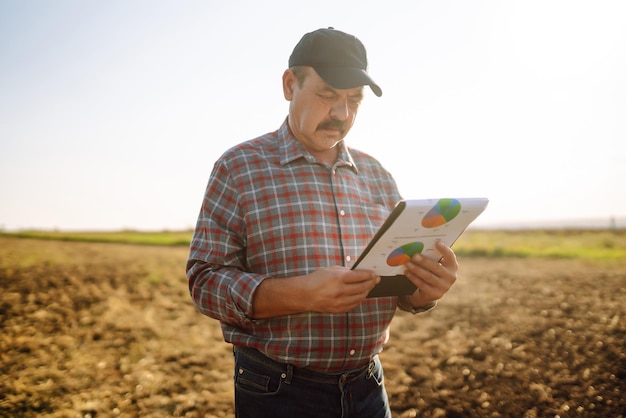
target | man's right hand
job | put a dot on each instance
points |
(330, 290)
(338, 289)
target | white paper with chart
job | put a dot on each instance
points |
(413, 227)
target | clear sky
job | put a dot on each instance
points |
(113, 112)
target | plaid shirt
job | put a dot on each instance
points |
(272, 210)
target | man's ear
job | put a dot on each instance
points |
(289, 81)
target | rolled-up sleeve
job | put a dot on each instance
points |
(219, 284)
(222, 293)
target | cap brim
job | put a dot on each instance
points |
(347, 78)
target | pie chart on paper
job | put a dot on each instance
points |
(401, 255)
(443, 212)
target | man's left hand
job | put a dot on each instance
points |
(432, 278)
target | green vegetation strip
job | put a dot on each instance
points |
(122, 237)
(581, 244)
(566, 243)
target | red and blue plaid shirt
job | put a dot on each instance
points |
(272, 210)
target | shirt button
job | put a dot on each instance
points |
(348, 258)
(352, 352)
(342, 212)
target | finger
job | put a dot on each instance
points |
(425, 288)
(366, 286)
(358, 276)
(421, 262)
(428, 273)
(448, 258)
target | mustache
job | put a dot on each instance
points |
(333, 124)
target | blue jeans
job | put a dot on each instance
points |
(265, 388)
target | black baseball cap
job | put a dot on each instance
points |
(339, 58)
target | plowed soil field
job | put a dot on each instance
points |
(109, 330)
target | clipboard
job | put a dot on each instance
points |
(414, 226)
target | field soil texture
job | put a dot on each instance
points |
(109, 330)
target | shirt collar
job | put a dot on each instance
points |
(290, 149)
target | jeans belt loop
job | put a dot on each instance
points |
(370, 369)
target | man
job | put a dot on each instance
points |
(283, 219)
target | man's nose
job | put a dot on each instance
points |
(340, 109)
